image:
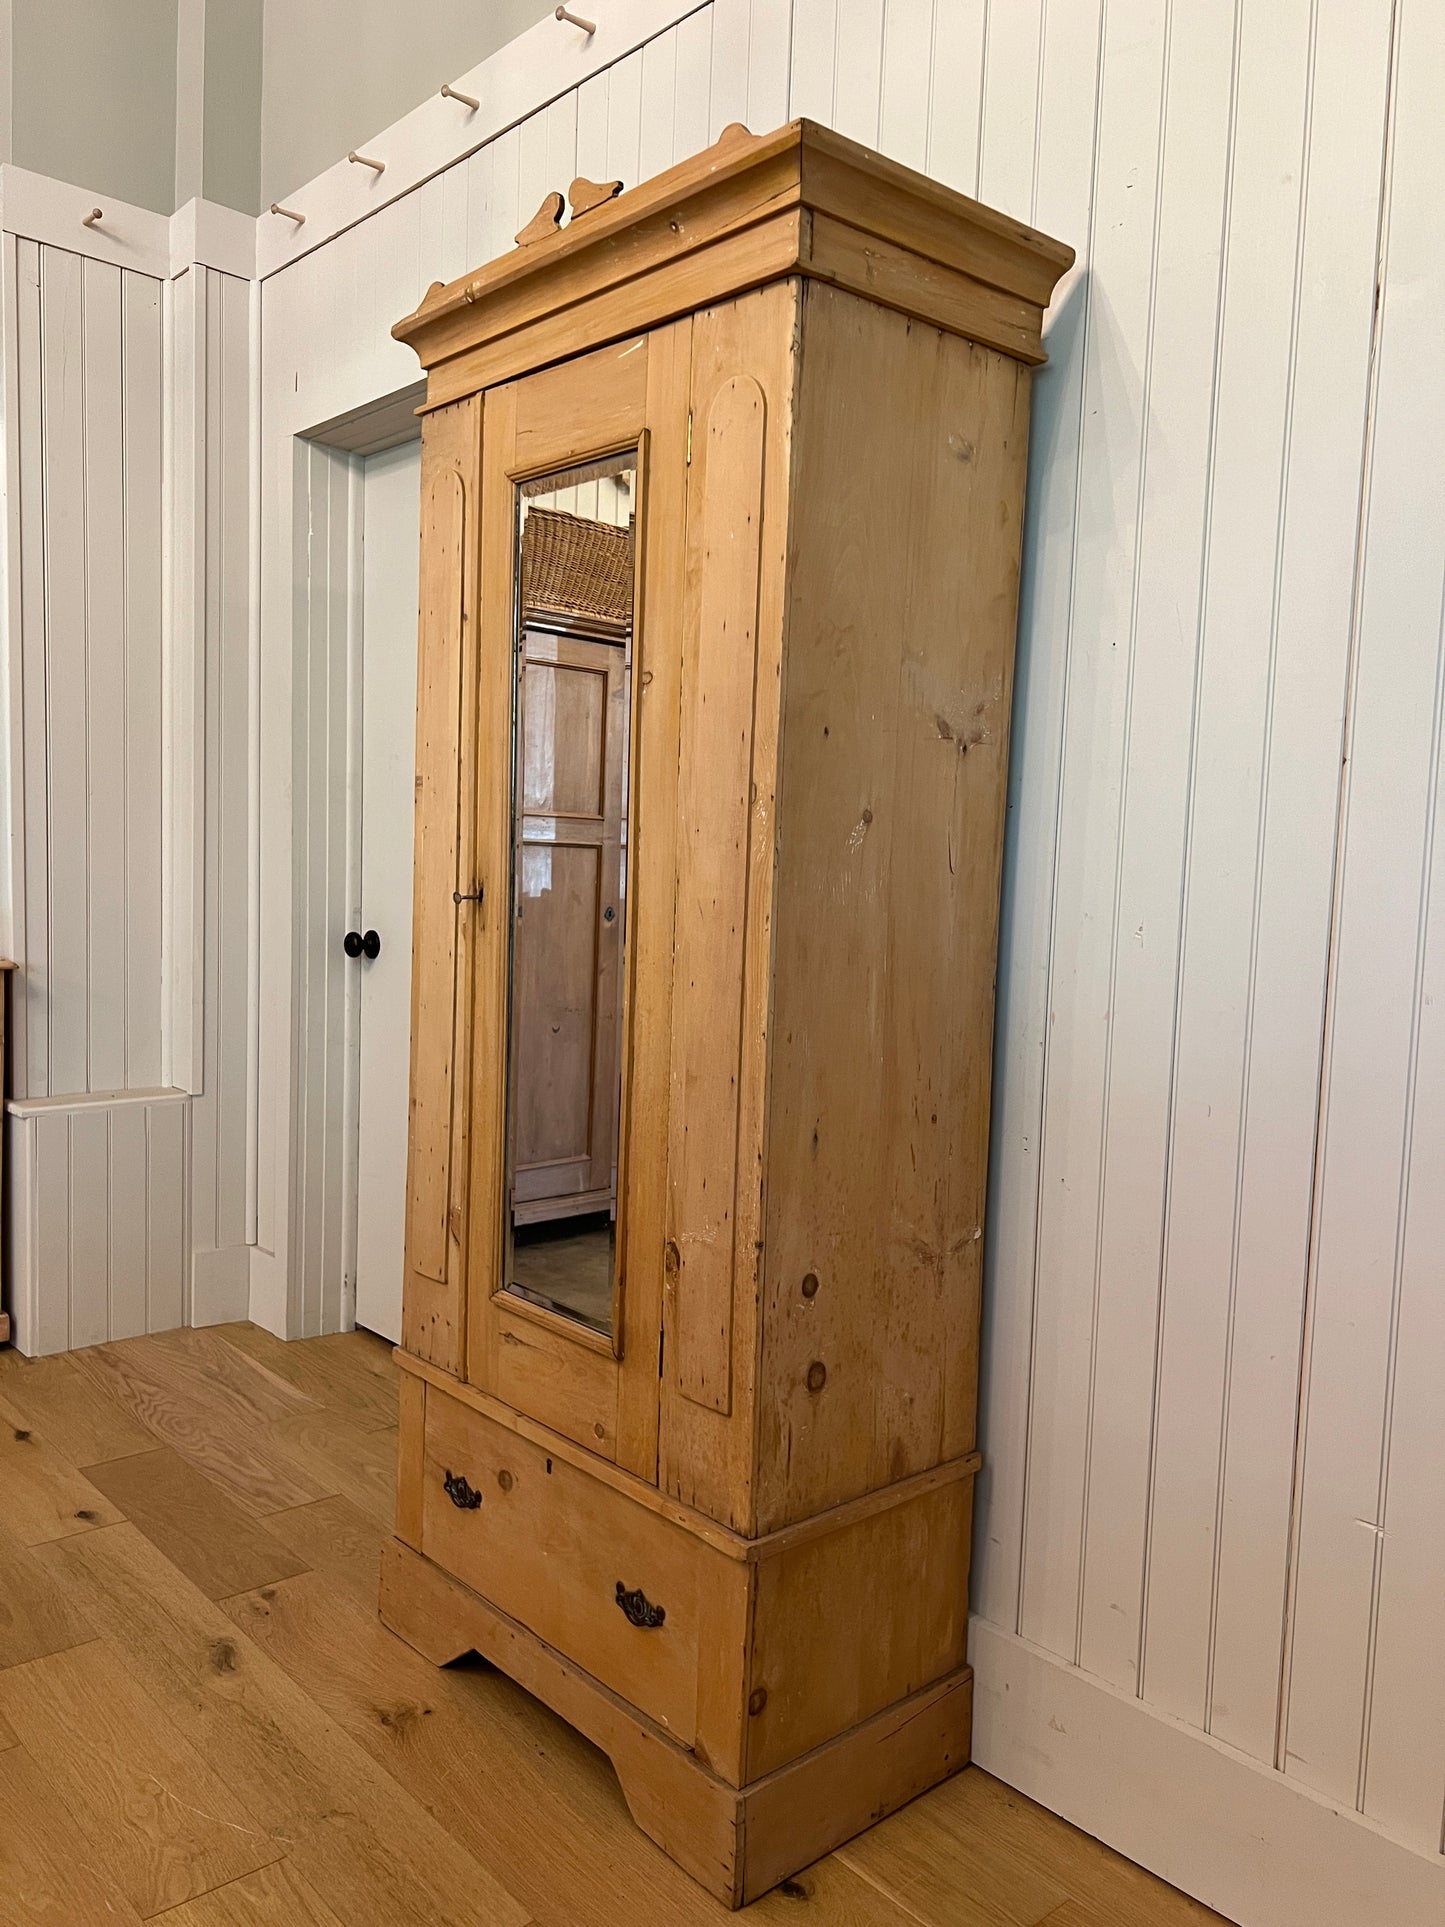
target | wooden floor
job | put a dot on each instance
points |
(201, 1717)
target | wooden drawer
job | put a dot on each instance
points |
(552, 1547)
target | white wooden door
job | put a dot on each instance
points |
(391, 537)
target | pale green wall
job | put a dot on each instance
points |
(335, 72)
(93, 95)
(88, 87)
(231, 141)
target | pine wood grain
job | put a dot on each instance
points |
(214, 1543)
(159, 1819)
(41, 1495)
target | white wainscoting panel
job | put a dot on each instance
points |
(212, 798)
(96, 1199)
(86, 651)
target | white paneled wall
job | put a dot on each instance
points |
(127, 449)
(86, 477)
(97, 1200)
(1219, 902)
(214, 815)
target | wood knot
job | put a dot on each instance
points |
(757, 1700)
(504, 1480)
(810, 1288)
(223, 1656)
(817, 1375)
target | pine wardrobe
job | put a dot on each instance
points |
(722, 486)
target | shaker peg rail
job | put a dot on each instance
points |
(95, 215)
(589, 27)
(468, 100)
(365, 160)
(289, 212)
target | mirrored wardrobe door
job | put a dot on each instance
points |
(584, 496)
(572, 738)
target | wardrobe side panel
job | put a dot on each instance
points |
(743, 362)
(433, 1305)
(908, 482)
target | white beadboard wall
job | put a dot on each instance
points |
(87, 474)
(126, 621)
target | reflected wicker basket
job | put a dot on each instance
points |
(573, 567)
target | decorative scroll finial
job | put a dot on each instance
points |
(543, 222)
(585, 195)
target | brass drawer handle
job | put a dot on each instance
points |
(460, 1492)
(638, 1607)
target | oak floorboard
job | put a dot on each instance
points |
(201, 1358)
(370, 1784)
(345, 1456)
(973, 1853)
(160, 1820)
(222, 1432)
(48, 1876)
(63, 1402)
(335, 1537)
(37, 1617)
(350, 1372)
(194, 1523)
(361, 1839)
(43, 1496)
(266, 1898)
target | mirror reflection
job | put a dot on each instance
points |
(572, 724)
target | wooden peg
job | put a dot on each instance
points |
(95, 214)
(589, 27)
(543, 222)
(450, 93)
(365, 160)
(585, 195)
(289, 212)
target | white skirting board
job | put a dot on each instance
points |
(1261, 1849)
(97, 1208)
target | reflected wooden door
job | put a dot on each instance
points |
(582, 998)
(566, 991)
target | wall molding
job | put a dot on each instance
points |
(201, 233)
(1258, 1847)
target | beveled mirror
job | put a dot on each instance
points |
(572, 717)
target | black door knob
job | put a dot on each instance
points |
(355, 945)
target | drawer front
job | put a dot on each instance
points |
(574, 1561)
